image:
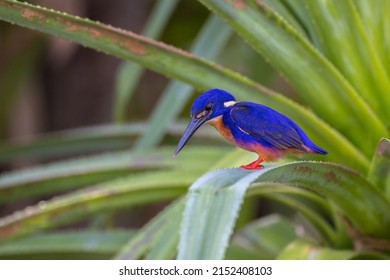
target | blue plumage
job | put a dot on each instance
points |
(253, 127)
(268, 127)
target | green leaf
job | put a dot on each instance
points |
(304, 250)
(214, 201)
(176, 94)
(340, 27)
(376, 26)
(83, 244)
(386, 35)
(284, 48)
(200, 73)
(137, 189)
(351, 193)
(158, 238)
(379, 173)
(298, 9)
(284, 11)
(129, 46)
(86, 139)
(70, 174)
(314, 207)
(72, 141)
(262, 239)
(211, 210)
(129, 73)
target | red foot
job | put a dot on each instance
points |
(254, 165)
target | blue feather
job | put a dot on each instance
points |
(253, 127)
(269, 127)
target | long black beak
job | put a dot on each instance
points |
(190, 130)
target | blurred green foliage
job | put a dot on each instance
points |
(333, 54)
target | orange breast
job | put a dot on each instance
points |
(268, 154)
(223, 130)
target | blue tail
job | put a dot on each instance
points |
(316, 149)
(308, 142)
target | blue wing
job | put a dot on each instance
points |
(267, 125)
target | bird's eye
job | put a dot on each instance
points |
(209, 107)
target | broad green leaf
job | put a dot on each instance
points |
(82, 244)
(379, 173)
(176, 94)
(129, 73)
(304, 250)
(200, 73)
(211, 209)
(214, 201)
(158, 238)
(262, 239)
(70, 174)
(285, 49)
(346, 44)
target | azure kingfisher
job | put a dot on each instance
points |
(250, 126)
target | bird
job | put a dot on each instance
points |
(250, 126)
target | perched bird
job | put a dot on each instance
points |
(250, 126)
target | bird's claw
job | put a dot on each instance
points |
(250, 167)
(254, 165)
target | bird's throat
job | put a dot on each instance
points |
(221, 128)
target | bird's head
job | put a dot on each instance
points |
(208, 105)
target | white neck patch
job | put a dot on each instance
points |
(229, 103)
